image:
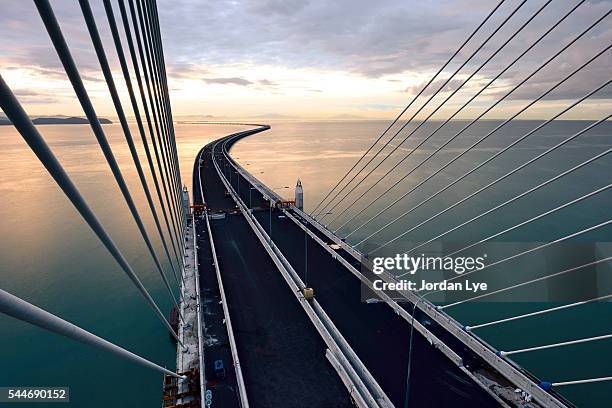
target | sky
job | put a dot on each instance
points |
(318, 59)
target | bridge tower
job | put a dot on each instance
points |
(299, 195)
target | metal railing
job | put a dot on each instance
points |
(242, 392)
(359, 379)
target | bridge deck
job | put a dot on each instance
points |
(216, 341)
(378, 336)
(282, 356)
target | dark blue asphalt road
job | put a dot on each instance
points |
(281, 354)
(378, 335)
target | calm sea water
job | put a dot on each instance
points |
(51, 258)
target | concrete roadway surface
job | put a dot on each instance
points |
(216, 340)
(379, 336)
(281, 354)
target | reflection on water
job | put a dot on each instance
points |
(50, 257)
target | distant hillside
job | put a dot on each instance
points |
(345, 116)
(58, 121)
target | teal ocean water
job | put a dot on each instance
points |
(319, 154)
(50, 257)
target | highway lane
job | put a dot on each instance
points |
(216, 342)
(378, 335)
(282, 356)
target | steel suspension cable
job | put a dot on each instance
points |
(108, 76)
(529, 282)
(166, 94)
(546, 245)
(158, 50)
(555, 345)
(169, 202)
(164, 79)
(171, 142)
(585, 381)
(14, 111)
(529, 251)
(552, 211)
(544, 214)
(499, 153)
(163, 136)
(395, 184)
(19, 309)
(159, 105)
(517, 197)
(52, 26)
(411, 102)
(126, 75)
(525, 136)
(541, 312)
(441, 88)
(54, 30)
(430, 115)
(466, 150)
(145, 143)
(147, 30)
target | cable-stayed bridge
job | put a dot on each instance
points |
(242, 260)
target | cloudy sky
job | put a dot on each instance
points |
(322, 59)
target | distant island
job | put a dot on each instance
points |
(72, 120)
